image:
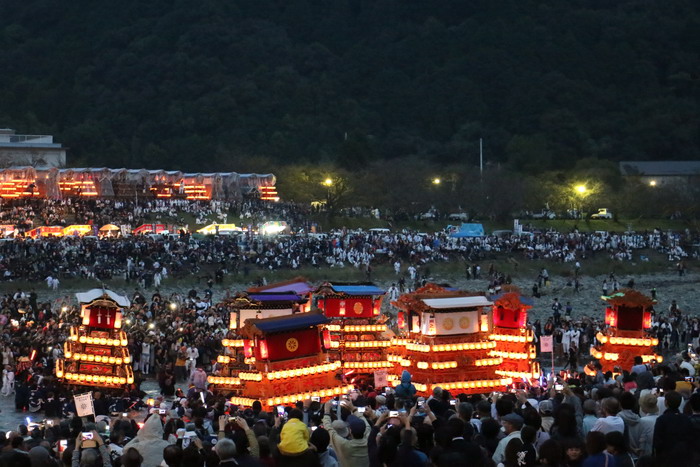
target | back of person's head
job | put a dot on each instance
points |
(191, 457)
(17, 442)
(673, 399)
(504, 406)
(484, 408)
(296, 413)
(532, 418)
(616, 440)
(465, 410)
(455, 428)
(528, 434)
(241, 441)
(595, 442)
(257, 407)
(589, 407)
(627, 401)
(638, 360)
(172, 455)
(131, 458)
(225, 449)
(550, 452)
(490, 428)
(88, 458)
(320, 438)
(610, 405)
(695, 402)
(565, 420)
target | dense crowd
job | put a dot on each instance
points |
(649, 417)
(151, 259)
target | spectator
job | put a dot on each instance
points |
(610, 421)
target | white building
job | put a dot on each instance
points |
(38, 151)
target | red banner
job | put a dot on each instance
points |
(95, 368)
(348, 308)
(102, 317)
(288, 345)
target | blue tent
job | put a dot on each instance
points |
(466, 230)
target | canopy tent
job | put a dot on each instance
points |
(466, 230)
(109, 228)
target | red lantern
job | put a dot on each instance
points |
(263, 349)
(610, 317)
(342, 308)
(248, 348)
(326, 339)
(377, 306)
(647, 320)
(401, 319)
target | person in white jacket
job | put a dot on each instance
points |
(8, 381)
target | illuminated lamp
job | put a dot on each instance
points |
(118, 320)
(326, 336)
(248, 348)
(82, 339)
(401, 319)
(377, 307)
(342, 308)
(86, 317)
(611, 317)
(646, 322)
(484, 323)
(263, 349)
(654, 342)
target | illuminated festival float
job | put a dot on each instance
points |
(289, 361)
(515, 342)
(281, 299)
(357, 328)
(445, 341)
(96, 353)
(626, 335)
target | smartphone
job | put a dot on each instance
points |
(86, 435)
(344, 397)
(453, 402)
(558, 387)
(125, 415)
(280, 411)
(313, 428)
(393, 413)
(421, 403)
(62, 445)
(49, 422)
(387, 389)
(361, 409)
(315, 399)
(689, 379)
(162, 411)
(334, 403)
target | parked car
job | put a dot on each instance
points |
(459, 216)
(603, 213)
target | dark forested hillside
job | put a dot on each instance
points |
(208, 85)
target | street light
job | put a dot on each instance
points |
(581, 189)
(652, 183)
(328, 182)
(436, 181)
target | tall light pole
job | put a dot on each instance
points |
(328, 182)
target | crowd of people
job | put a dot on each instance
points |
(648, 417)
(151, 259)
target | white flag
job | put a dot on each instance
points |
(546, 344)
(380, 379)
(84, 405)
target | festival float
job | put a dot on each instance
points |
(515, 342)
(627, 332)
(357, 328)
(96, 352)
(445, 341)
(245, 306)
(289, 361)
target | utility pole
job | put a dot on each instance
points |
(481, 156)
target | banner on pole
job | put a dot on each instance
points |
(546, 344)
(380, 379)
(84, 405)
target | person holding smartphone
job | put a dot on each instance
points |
(89, 447)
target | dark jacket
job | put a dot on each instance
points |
(673, 437)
